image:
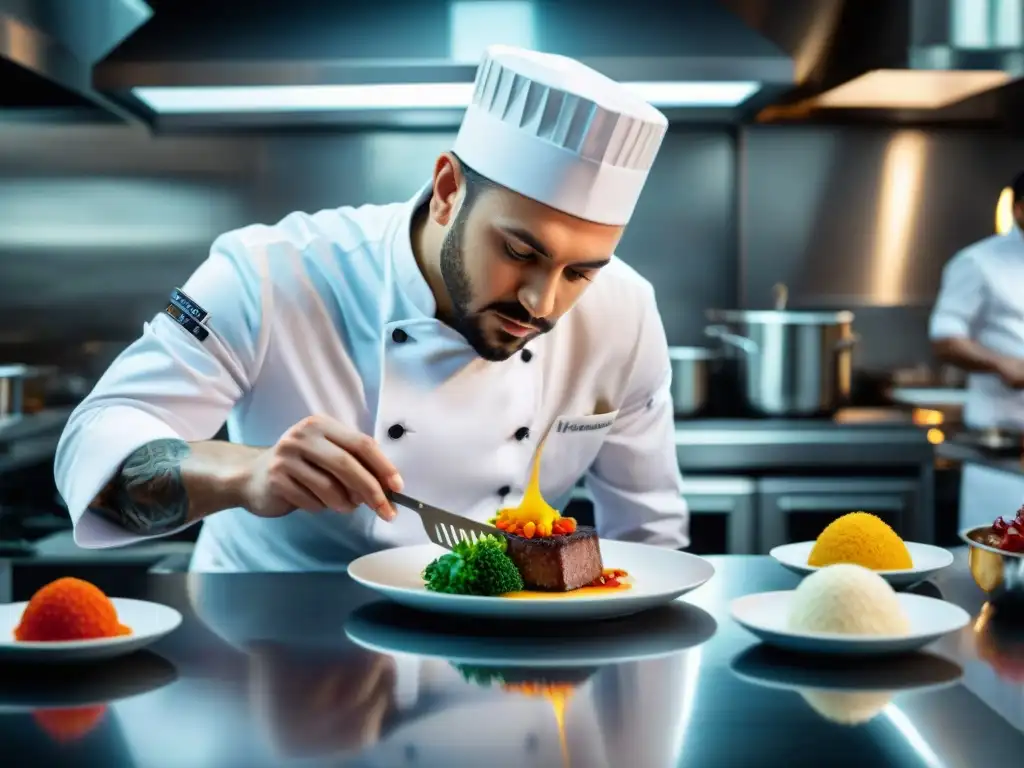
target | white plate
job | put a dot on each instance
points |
(660, 576)
(148, 621)
(765, 615)
(385, 627)
(927, 560)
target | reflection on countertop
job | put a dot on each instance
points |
(959, 453)
(279, 667)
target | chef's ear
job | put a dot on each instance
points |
(448, 180)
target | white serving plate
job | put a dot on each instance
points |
(928, 560)
(659, 576)
(765, 615)
(148, 621)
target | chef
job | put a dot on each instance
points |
(978, 325)
(426, 346)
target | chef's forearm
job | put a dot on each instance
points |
(169, 483)
(968, 355)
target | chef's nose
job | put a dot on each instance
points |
(538, 293)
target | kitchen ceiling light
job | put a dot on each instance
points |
(330, 98)
(910, 88)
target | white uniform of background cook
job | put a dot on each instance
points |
(982, 298)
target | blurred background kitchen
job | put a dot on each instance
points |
(825, 160)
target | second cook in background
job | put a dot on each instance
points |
(978, 325)
(425, 346)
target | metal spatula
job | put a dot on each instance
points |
(444, 528)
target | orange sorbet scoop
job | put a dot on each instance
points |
(69, 609)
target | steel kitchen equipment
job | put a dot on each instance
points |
(998, 572)
(12, 390)
(23, 388)
(691, 376)
(791, 363)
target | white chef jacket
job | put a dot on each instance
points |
(328, 313)
(982, 298)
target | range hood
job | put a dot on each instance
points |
(412, 63)
(48, 48)
(942, 61)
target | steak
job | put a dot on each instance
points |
(557, 563)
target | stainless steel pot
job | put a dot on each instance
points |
(792, 363)
(12, 390)
(21, 388)
(690, 378)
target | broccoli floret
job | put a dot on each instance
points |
(496, 574)
(482, 676)
(480, 568)
(445, 574)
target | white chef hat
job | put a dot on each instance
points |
(560, 133)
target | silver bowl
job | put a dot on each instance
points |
(1000, 574)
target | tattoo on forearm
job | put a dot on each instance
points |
(148, 495)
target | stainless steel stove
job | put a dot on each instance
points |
(752, 484)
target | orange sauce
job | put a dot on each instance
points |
(594, 590)
(533, 508)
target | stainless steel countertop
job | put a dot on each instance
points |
(966, 454)
(27, 440)
(854, 437)
(263, 670)
(33, 425)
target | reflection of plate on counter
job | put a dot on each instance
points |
(927, 559)
(999, 642)
(772, 668)
(659, 575)
(384, 627)
(25, 687)
(841, 693)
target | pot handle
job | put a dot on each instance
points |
(721, 333)
(848, 343)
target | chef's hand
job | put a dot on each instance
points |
(1011, 371)
(320, 464)
(317, 707)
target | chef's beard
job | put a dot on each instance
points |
(460, 293)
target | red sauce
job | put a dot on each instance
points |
(611, 578)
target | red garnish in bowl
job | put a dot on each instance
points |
(1013, 540)
(1000, 525)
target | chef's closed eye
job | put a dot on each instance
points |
(528, 255)
(516, 255)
